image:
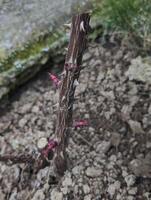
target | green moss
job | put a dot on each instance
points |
(31, 49)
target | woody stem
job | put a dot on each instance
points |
(72, 68)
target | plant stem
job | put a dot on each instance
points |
(72, 67)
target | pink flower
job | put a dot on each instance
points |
(55, 80)
(80, 123)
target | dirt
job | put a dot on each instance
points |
(109, 159)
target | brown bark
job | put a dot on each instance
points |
(72, 68)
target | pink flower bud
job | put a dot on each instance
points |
(49, 148)
(80, 123)
(51, 144)
(55, 80)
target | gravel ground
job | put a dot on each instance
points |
(109, 159)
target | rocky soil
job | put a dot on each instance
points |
(109, 159)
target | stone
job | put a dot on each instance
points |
(103, 147)
(25, 108)
(113, 158)
(93, 172)
(35, 109)
(56, 195)
(135, 127)
(130, 198)
(113, 188)
(142, 166)
(67, 181)
(77, 170)
(132, 191)
(22, 122)
(39, 195)
(42, 142)
(140, 70)
(130, 180)
(115, 139)
(118, 55)
(88, 197)
(148, 145)
(65, 190)
(86, 189)
(43, 174)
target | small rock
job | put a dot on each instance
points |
(113, 188)
(147, 195)
(86, 56)
(141, 167)
(148, 145)
(77, 170)
(140, 70)
(56, 195)
(93, 172)
(42, 174)
(136, 127)
(130, 180)
(115, 140)
(64, 190)
(35, 109)
(130, 198)
(86, 189)
(22, 122)
(113, 158)
(135, 166)
(25, 108)
(103, 147)
(132, 191)
(39, 195)
(124, 173)
(88, 197)
(118, 55)
(67, 181)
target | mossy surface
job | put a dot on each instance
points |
(25, 62)
(30, 50)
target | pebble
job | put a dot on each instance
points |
(136, 127)
(39, 195)
(25, 108)
(86, 189)
(56, 195)
(113, 188)
(88, 197)
(133, 191)
(22, 122)
(93, 172)
(35, 109)
(67, 182)
(103, 147)
(77, 169)
(130, 180)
